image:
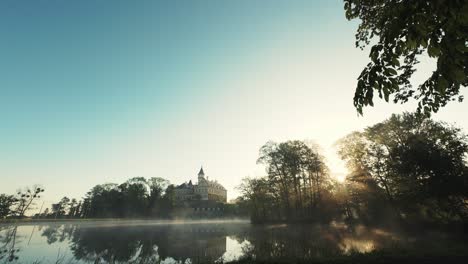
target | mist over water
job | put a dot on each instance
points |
(141, 241)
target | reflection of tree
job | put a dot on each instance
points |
(281, 242)
(8, 250)
(108, 244)
(310, 242)
(142, 244)
(58, 233)
(206, 243)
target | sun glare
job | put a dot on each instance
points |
(340, 177)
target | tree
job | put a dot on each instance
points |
(135, 196)
(297, 170)
(45, 214)
(297, 180)
(77, 212)
(103, 200)
(61, 208)
(25, 199)
(366, 197)
(73, 207)
(6, 203)
(157, 188)
(261, 199)
(167, 201)
(416, 163)
(404, 30)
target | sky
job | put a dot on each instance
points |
(102, 91)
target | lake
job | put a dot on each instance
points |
(200, 241)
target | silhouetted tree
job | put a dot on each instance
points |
(24, 199)
(403, 31)
(77, 210)
(137, 197)
(6, 203)
(157, 188)
(167, 201)
(61, 208)
(263, 205)
(104, 200)
(296, 182)
(45, 214)
(135, 193)
(416, 163)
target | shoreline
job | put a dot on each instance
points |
(124, 221)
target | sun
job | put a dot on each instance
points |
(340, 177)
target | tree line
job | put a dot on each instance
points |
(136, 197)
(406, 168)
(18, 204)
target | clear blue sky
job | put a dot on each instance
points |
(100, 91)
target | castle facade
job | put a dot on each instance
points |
(204, 190)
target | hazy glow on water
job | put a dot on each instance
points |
(362, 246)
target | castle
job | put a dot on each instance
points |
(205, 190)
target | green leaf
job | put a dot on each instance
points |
(391, 71)
(433, 51)
(442, 84)
(411, 44)
(386, 94)
(459, 74)
(395, 62)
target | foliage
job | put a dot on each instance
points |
(406, 168)
(61, 208)
(405, 31)
(157, 188)
(417, 164)
(137, 197)
(25, 199)
(17, 205)
(6, 203)
(296, 184)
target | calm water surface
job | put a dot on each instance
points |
(194, 242)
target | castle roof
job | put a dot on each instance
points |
(184, 186)
(201, 182)
(201, 171)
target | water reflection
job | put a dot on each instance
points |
(149, 244)
(153, 242)
(8, 239)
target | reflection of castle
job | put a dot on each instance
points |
(204, 244)
(192, 243)
(204, 190)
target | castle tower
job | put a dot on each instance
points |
(201, 175)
